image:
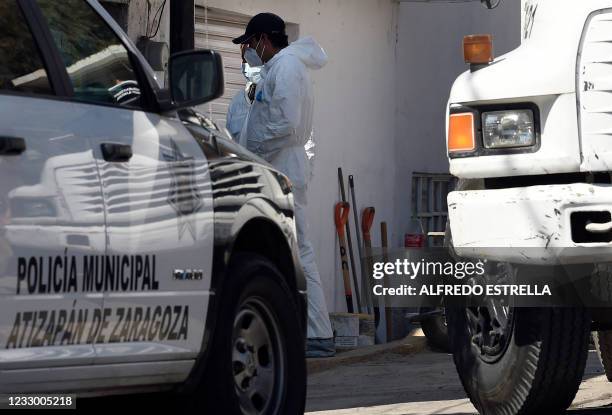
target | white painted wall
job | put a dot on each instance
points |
(380, 101)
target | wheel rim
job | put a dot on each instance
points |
(491, 329)
(491, 324)
(258, 360)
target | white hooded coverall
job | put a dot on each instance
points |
(277, 128)
(237, 113)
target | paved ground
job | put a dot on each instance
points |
(394, 383)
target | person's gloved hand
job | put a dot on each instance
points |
(251, 92)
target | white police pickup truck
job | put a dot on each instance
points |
(530, 137)
(139, 248)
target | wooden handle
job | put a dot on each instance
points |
(367, 219)
(341, 214)
(348, 292)
(383, 235)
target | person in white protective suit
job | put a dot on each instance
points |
(237, 113)
(278, 127)
(241, 102)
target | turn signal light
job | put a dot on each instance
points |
(461, 132)
(478, 49)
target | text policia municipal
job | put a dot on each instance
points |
(92, 273)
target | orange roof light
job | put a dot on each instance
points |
(461, 132)
(478, 49)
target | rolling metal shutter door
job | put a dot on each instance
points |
(215, 29)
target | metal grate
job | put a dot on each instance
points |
(429, 206)
(595, 92)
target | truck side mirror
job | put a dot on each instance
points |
(195, 77)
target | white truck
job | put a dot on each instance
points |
(140, 249)
(530, 138)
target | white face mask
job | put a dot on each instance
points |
(251, 74)
(251, 56)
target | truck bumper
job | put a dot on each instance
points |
(532, 225)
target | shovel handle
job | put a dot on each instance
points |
(367, 219)
(341, 213)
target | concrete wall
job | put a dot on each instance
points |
(429, 58)
(135, 18)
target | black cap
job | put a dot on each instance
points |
(262, 23)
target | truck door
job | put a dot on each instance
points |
(51, 210)
(157, 198)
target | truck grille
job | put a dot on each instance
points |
(594, 92)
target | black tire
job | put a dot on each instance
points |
(601, 282)
(537, 371)
(436, 331)
(255, 298)
(601, 288)
(603, 344)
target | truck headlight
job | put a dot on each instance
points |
(508, 129)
